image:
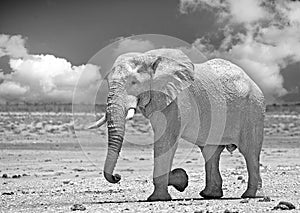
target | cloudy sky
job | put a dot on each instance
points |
(45, 45)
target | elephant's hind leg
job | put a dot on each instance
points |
(250, 147)
(213, 179)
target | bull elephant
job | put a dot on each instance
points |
(213, 105)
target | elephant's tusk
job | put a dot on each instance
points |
(99, 123)
(130, 113)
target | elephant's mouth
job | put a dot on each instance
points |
(144, 111)
(143, 103)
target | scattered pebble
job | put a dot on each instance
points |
(229, 211)
(78, 207)
(4, 176)
(7, 193)
(284, 205)
(66, 181)
(244, 201)
(16, 176)
(265, 199)
(78, 170)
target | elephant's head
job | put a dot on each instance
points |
(150, 81)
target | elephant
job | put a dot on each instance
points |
(214, 105)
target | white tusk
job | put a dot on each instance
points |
(98, 123)
(130, 113)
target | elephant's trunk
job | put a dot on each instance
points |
(115, 114)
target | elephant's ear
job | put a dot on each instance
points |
(173, 72)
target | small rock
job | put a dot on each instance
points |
(199, 211)
(240, 178)
(142, 158)
(66, 181)
(234, 173)
(244, 201)
(7, 193)
(188, 161)
(16, 176)
(78, 207)
(284, 205)
(229, 211)
(265, 199)
(4, 176)
(78, 170)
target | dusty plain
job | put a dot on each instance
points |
(49, 162)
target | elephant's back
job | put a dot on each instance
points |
(230, 80)
(223, 96)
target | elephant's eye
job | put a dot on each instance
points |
(134, 82)
(155, 64)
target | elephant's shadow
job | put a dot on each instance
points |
(146, 201)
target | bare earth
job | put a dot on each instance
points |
(52, 162)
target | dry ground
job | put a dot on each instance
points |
(52, 163)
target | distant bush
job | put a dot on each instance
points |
(98, 108)
(51, 107)
(285, 107)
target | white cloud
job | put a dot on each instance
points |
(13, 46)
(241, 11)
(48, 78)
(44, 77)
(246, 11)
(133, 45)
(12, 90)
(187, 6)
(262, 37)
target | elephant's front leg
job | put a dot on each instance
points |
(163, 158)
(213, 179)
(166, 131)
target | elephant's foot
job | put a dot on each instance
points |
(212, 193)
(179, 179)
(159, 196)
(249, 193)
